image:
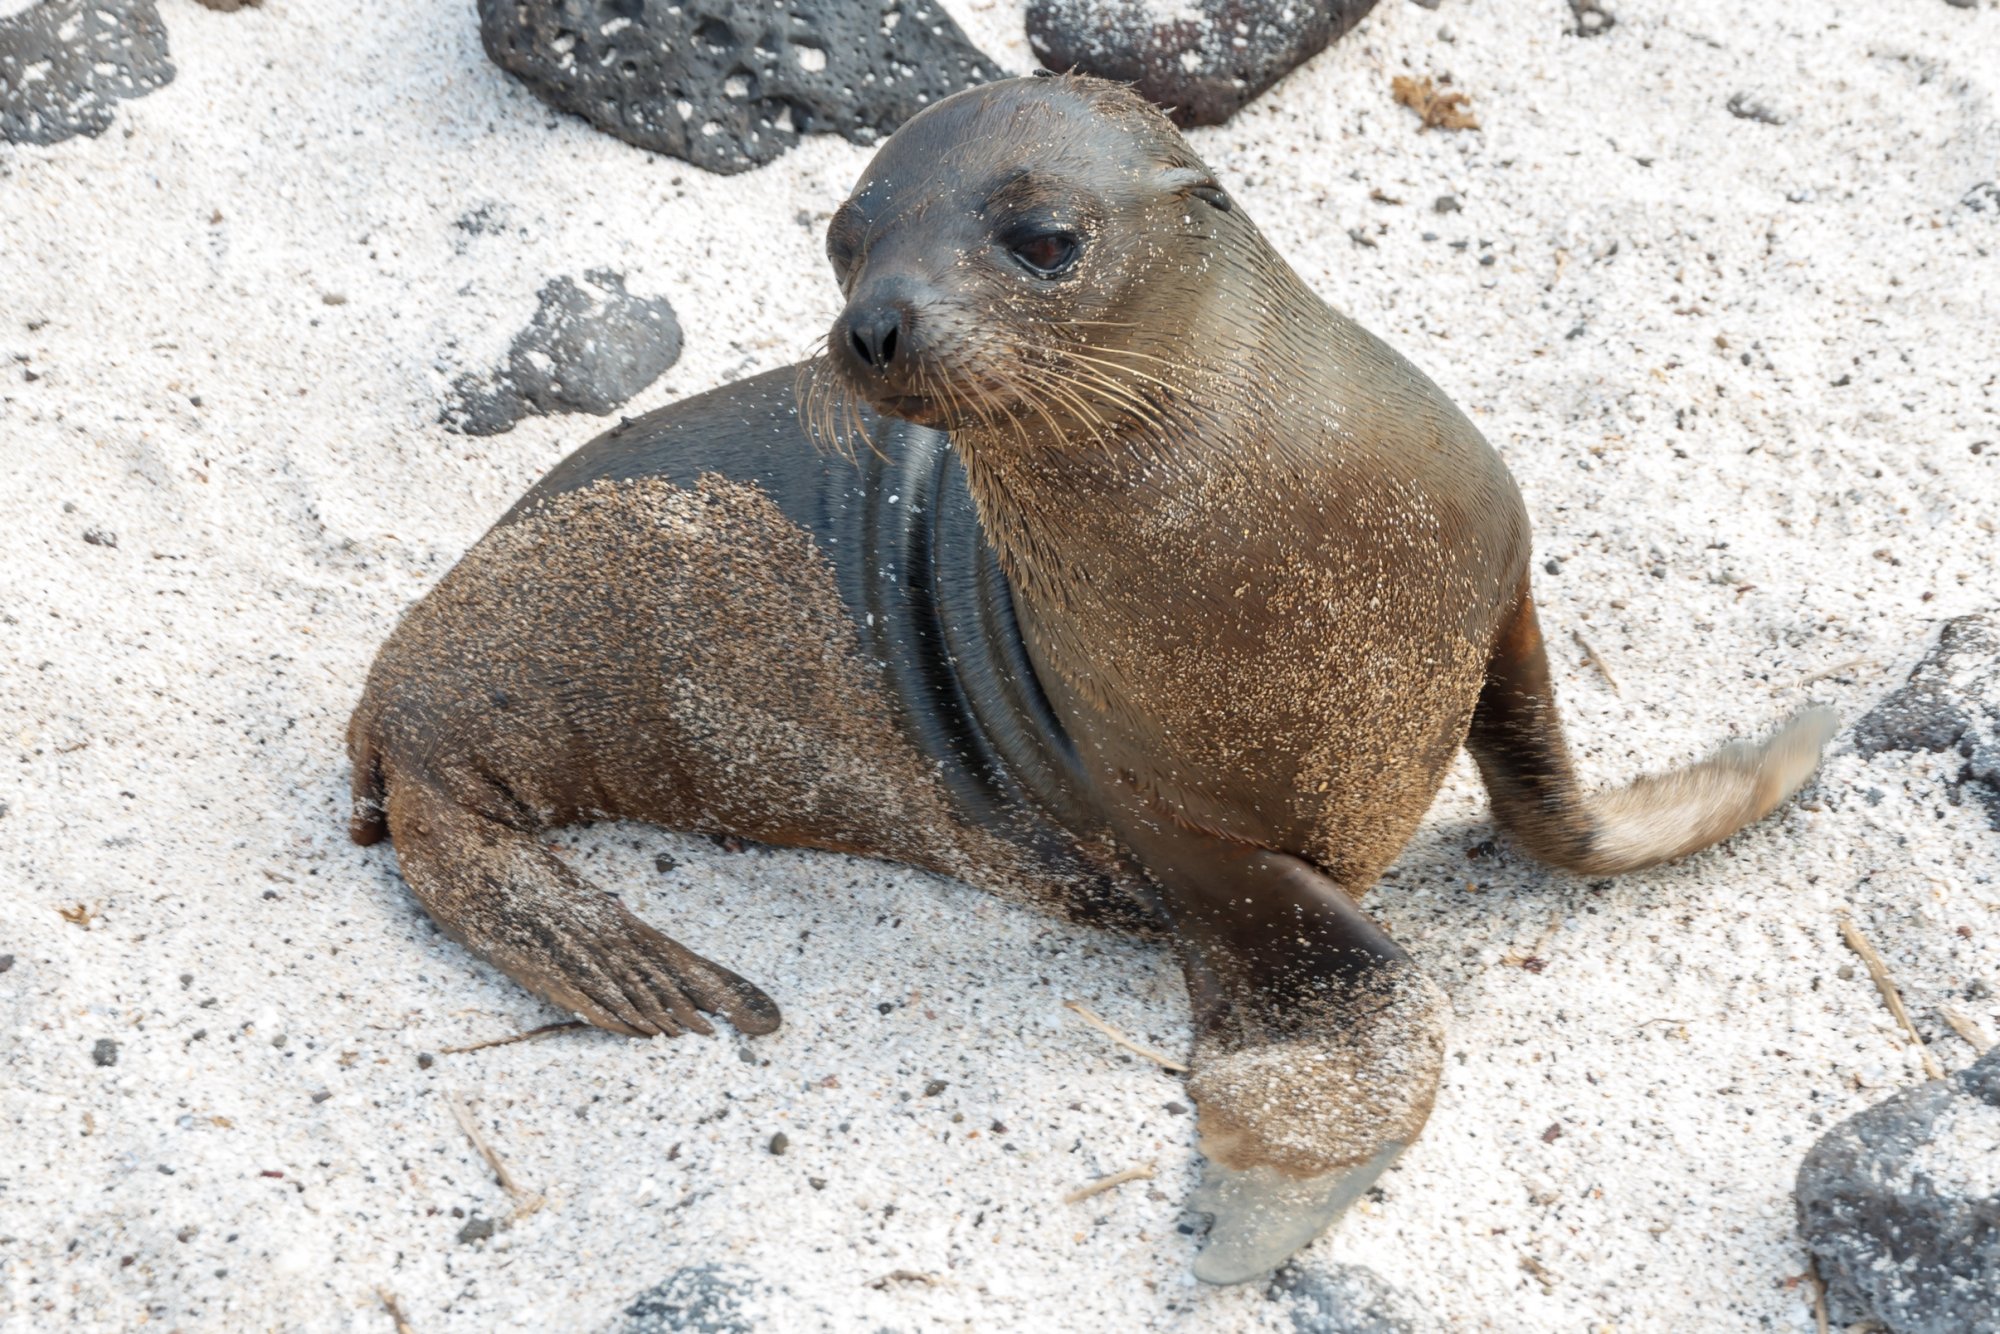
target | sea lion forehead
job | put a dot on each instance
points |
(1035, 138)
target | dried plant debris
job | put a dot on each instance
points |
(1199, 60)
(1439, 109)
(728, 85)
(64, 63)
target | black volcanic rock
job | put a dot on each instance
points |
(65, 63)
(729, 84)
(589, 348)
(1950, 703)
(1201, 61)
(1899, 1206)
(1342, 1299)
(701, 1299)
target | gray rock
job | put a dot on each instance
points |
(1343, 1299)
(589, 348)
(728, 84)
(63, 63)
(1202, 62)
(1950, 703)
(1898, 1205)
(701, 1299)
(1592, 18)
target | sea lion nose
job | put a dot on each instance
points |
(874, 333)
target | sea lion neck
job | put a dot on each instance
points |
(1161, 415)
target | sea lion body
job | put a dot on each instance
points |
(703, 621)
(1175, 625)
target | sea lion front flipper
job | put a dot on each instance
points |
(502, 894)
(1318, 1042)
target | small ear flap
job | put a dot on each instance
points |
(1198, 182)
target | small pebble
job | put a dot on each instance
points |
(477, 1229)
(779, 1143)
(935, 1087)
(105, 1052)
(1448, 204)
(99, 537)
(425, 1060)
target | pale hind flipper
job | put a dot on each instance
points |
(1517, 740)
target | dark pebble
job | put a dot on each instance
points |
(779, 1143)
(6, 962)
(663, 864)
(477, 1229)
(1592, 18)
(817, 1183)
(105, 1052)
(1448, 204)
(425, 1060)
(935, 1087)
(322, 1096)
(98, 537)
(1552, 565)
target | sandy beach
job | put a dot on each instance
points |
(1744, 363)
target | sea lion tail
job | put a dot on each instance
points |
(1517, 740)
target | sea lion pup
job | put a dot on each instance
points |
(1156, 592)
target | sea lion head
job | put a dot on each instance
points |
(1002, 248)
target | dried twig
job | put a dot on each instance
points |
(1967, 1027)
(525, 1200)
(395, 1312)
(1890, 996)
(1088, 1016)
(1143, 1172)
(1863, 661)
(528, 1036)
(1590, 655)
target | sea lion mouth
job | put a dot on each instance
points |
(910, 407)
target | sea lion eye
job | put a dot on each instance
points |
(1046, 254)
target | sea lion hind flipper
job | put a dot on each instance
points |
(1319, 1044)
(1517, 741)
(498, 891)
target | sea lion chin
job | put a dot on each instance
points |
(1177, 630)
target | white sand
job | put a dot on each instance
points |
(173, 707)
